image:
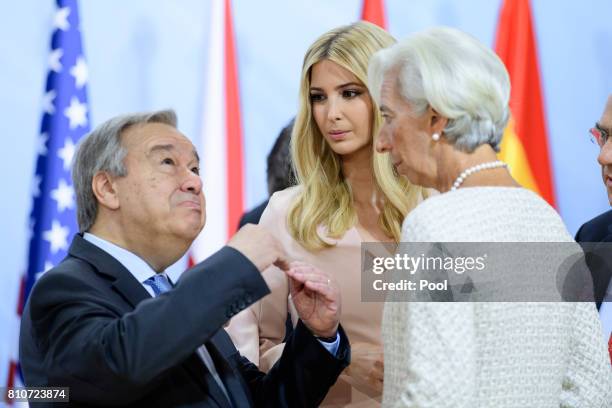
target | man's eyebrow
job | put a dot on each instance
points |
(384, 108)
(170, 148)
(158, 148)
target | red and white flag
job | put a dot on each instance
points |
(220, 143)
(374, 12)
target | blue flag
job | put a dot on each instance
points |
(65, 119)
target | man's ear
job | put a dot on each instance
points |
(105, 190)
(437, 122)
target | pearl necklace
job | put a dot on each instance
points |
(471, 170)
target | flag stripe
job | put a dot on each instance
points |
(374, 12)
(12, 373)
(212, 141)
(516, 46)
(514, 152)
(221, 138)
(234, 160)
(22, 295)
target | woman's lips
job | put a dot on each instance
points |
(337, 135)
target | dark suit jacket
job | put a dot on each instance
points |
(599, 229)
(91, 326)
(253, 216)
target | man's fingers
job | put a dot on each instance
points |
(311, 277)
(306, 268)
(298, 264)
(323, 289)
(295, 285)
(320, 284)
(314, 280)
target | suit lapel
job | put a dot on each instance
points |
(131, 289)
(196, 367)
(121, 279)
(221, 350)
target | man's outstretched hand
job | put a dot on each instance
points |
(316, 297)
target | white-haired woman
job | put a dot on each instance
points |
(444, 97)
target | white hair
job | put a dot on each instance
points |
(457, 76)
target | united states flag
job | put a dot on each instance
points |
(65, 119)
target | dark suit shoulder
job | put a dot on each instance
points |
(253, 216)
(63, 278)
(71, 283)
(596, 229)
(70, 267)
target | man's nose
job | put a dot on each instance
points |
(605, 155)
(192, 182)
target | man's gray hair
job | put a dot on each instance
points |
(101, 150)
(457, 76)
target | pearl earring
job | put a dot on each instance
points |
(435, 137)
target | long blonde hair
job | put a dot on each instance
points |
(325, 197)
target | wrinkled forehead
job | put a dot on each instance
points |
(167, 146)
(152, 138)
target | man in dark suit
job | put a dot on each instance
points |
(599, 229)
(109, 324)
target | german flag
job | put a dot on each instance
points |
(525, 143)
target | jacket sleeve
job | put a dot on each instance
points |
(108, 356)
(302, 376)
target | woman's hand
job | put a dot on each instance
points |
(367, 369)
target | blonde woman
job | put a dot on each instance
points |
(346, 194)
